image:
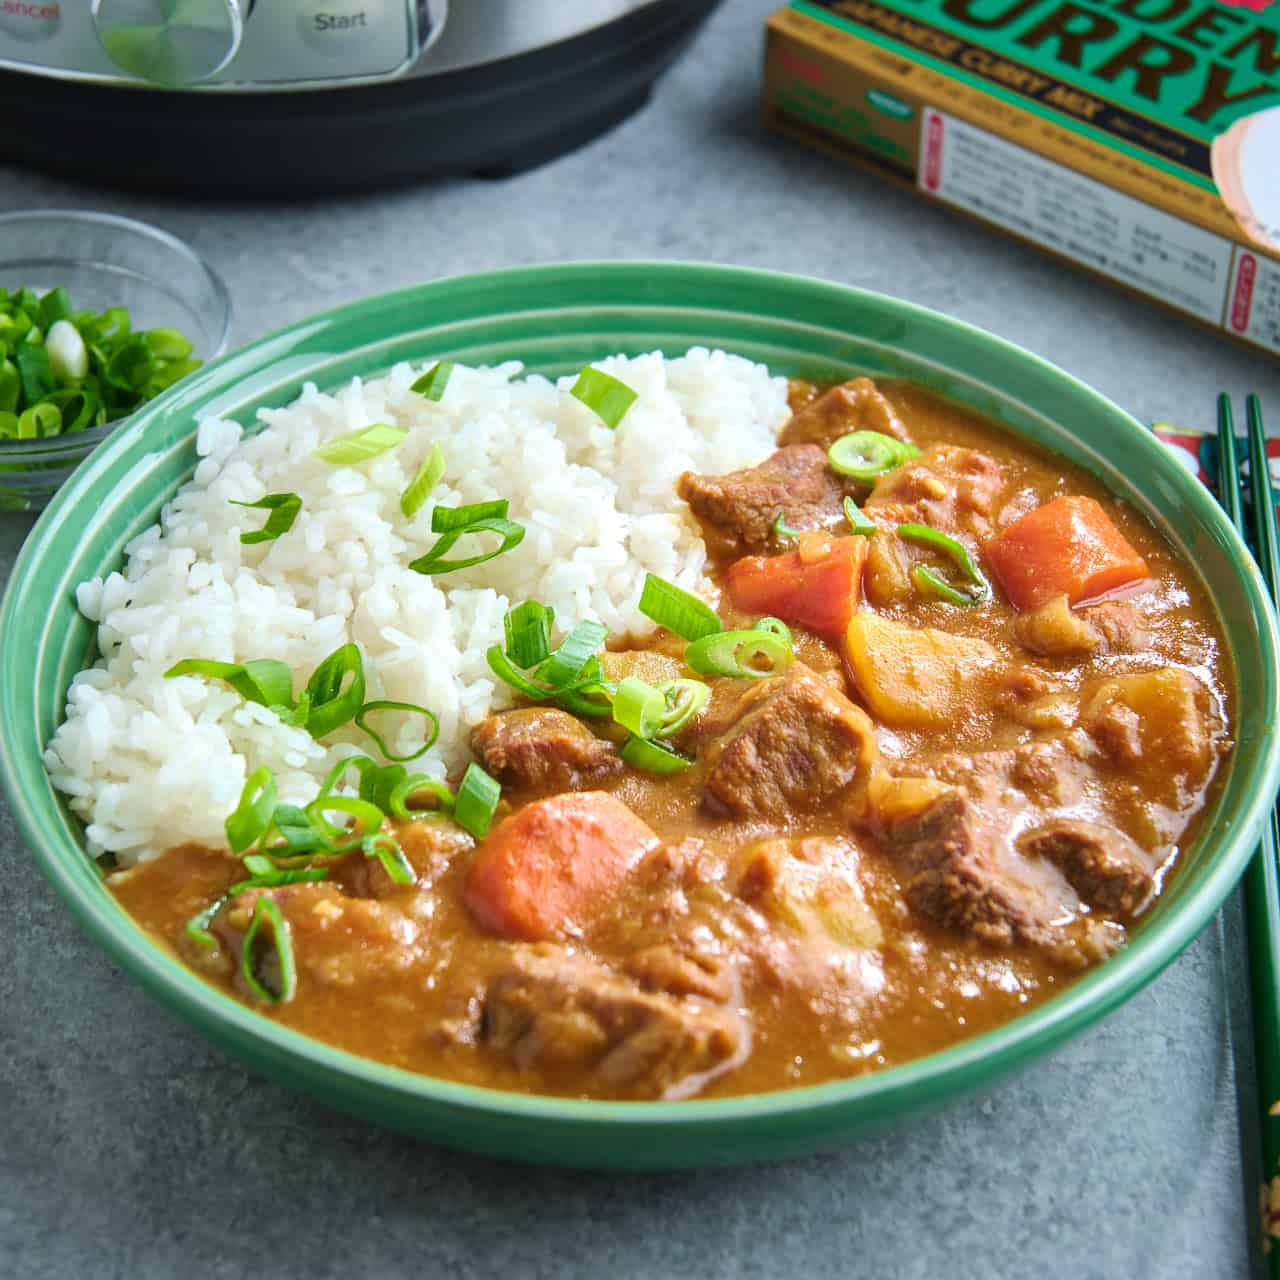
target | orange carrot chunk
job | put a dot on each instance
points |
(817, 586)
(555, 865)
(1070, 547)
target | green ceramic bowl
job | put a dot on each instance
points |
(555, 318)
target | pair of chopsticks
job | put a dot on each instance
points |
(1262, 879)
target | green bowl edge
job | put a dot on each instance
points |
(657, 1134)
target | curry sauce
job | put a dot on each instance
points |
(932, 819)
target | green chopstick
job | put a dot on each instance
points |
(1262, 878)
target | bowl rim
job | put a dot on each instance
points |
(67, 447)
(937, 1075)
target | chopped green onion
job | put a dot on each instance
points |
(387, 850)
(744, 654)
(565, 665)
(684, 700)
(775, 627)
(476, 801)
(68, 355)
(424, 481)
(267, 914)
(252, 816)
(384, 704)
(677, 610)
(284, 508)
(528, 632)
(360, 446)
(590, 695)
(55, 307)
(783, 532)
(369, 816)
(976, 589)
(858, 522)
(865, 455)
(377, 782)
(501, 667)
(432, 383)
(638, 707)
(447, 519)
(330, 704)
(604, 395)
(652, 757)
(416, 783)
(41, 420)
(512, 535)
(131, 366)
(34, 372)
(78, 409)
(264, 680)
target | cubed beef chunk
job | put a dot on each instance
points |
(338, 940)
(853, 406)
(947, 487)
(543, 750)
(1055, 630)
(1105, 867)
(737, 511)
(1122, 624)
(429, 845)
(960, 872)
(798, 743)
(554, 1010)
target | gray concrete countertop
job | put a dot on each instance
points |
(130, 1148)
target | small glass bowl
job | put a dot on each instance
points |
(103, 261)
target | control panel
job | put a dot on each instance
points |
(217, 44)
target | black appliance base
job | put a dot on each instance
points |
(492, 120)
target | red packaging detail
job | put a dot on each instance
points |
(1256, 5)
(933, 152)
(1242, 301)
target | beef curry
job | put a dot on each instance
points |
(987, 710)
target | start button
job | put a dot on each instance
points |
(336, 27)
(30, 20)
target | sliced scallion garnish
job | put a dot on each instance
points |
(528, 632)
(565, 665)
(369, 816)
(638, 707)
(652, 757)
(335, 692)
(250, 819)
(433, 561)
(782, 531)
(384, 846)
(750, 655)
(866, 455)
(264, 680)
(361, 445)
(975, 588)
(684, 700)
(418, 784)
(775, 627)
(476, 801)
(384, 704)
(284, 508)
(677, 610)
(450, 519)
(858, 522)
(432, 383)
(267, 915)
(424, 481)
(604, 395)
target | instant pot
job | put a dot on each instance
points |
(292, 96)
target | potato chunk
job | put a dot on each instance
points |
(914, 678)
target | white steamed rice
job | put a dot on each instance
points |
(149, 763)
